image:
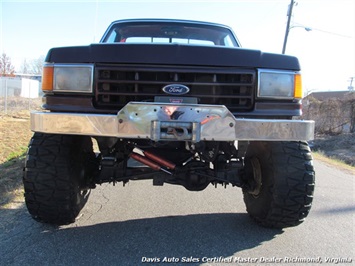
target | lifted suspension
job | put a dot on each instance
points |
(194, 173)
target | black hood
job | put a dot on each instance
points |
(172, 54)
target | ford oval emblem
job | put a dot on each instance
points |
(176, 89)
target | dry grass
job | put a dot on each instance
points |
(14, 137)
(339, 147)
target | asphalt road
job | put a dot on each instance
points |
(140, 223)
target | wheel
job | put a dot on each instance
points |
(57, 171)
(280, 183)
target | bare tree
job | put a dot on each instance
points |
(352, 111)
(36, 65)
(6, 67)
(32, 66)
(25, 67)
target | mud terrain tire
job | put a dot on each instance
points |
(282, 186)
(56, 169)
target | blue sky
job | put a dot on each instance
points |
(28, 29)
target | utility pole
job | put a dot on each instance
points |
(289, 15)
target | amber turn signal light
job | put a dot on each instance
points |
(298, 92)
(47, 78)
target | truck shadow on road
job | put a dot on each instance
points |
(175, 238)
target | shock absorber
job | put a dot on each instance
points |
(153, 161)
(159, 160)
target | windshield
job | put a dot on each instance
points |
(170, 32)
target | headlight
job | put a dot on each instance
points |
(279, 84)
(67, 78)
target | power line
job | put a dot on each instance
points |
(329, 32)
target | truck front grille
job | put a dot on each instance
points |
(118, 85)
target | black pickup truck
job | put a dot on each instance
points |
(178, 102)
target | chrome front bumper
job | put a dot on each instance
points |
(174, 122)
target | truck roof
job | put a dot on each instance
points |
(202, 24)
